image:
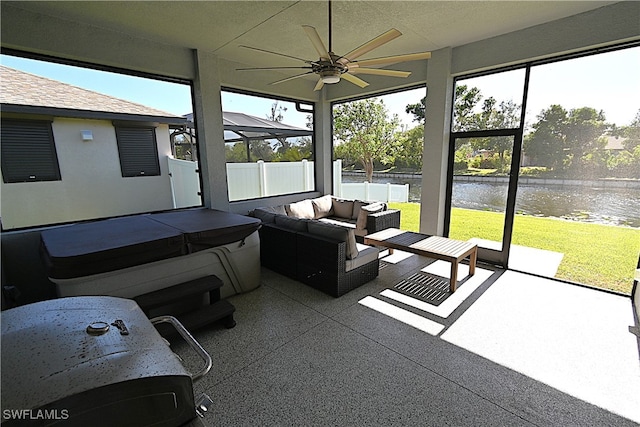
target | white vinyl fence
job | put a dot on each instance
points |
(374, 192)
(366, 190)
(260, 179)
(185, 183)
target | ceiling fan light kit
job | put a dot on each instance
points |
(331, 68)
(330, 76)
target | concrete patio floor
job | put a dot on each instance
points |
(536, 261)
(505, 349)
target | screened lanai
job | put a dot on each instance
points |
(519, 351)
(240, 127)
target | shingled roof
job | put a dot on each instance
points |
(22, 92)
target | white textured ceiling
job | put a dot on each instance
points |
(222, 26)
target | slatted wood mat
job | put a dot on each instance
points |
(425, 287)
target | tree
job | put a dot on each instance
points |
(463, 108)
(411, 146)
(275, 115)
(364, 132)
(261, 150)
(183, 147)
(236, 153)
(418, 110)
(465, 101)
(632, 133)
(626, 163)
(584, 130)
(301, 149)
(505, 115)
(545, 145)
(570, 140)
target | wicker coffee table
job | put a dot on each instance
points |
(436, 247)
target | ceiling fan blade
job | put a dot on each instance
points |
(316, 41)
(273, 68)
(390, 60)
(355, 80)
(290, 78)
(276, 53)
(380, 72)
(319, 85)
(370, 45)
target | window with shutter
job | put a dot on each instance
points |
(28, 151)
(138, 151)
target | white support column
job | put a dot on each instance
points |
(436, 143)
(210, 131)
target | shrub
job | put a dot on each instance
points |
(461, 165)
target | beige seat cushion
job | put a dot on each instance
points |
(341, 222)
(366, 254)
(336, 232)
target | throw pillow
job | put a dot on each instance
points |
(322, 206)
(357, 204)
(336, 232)
(279, 210)
(342, 208)
(361, 223)
(301, 209)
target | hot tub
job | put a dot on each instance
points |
(130, 256)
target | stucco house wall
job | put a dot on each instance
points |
(92, 184)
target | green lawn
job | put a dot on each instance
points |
(594, 254)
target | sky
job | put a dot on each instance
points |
(609, 82)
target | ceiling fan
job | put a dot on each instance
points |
(331, 68)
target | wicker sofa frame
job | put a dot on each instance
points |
(314, 260)
(381, 221)
(322, 265)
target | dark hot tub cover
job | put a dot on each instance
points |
(101, 246)
(205, 228)
(106, 245)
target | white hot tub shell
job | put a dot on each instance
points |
(237, 264)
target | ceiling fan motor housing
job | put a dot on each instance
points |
(329, 71)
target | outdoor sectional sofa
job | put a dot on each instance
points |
(315, 241)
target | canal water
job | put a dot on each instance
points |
(613, 206)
